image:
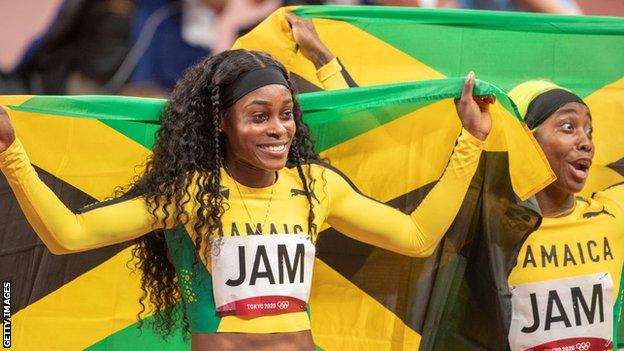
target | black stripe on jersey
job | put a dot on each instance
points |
(342, 175)
(130, 194)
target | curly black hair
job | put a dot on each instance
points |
(188, 153)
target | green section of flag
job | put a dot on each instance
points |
(136, 118)
(340, 115)
(505, 48)
(132, 337)
(334, 117)
(117, 108)
(498, 20)
(142, 133)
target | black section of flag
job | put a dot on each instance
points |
(470, 305)
(618, 166)
(347, 76)
(26, 262)
(303, 85)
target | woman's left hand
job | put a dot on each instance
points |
(474, 111)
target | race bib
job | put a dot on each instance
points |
(262, 274)
(571, 314)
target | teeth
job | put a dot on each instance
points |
(274, 148)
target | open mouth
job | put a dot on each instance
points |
(580, 168)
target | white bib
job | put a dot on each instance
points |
(262, 274)
(571, 314)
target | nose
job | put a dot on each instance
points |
(276, 127)
(585, 143)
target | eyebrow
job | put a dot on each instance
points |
(571, 110)
(267, 103)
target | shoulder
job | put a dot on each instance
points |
(612, 196)
(615, 192)
(334, 181)
(326, 172)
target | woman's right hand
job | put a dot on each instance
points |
(308, 40)
(7, 133)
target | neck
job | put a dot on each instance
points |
(554, 202)
(248, 175)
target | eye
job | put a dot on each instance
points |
(287, 115)
(260, 117)
(589, 131)
(567, 126)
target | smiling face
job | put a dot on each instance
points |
(566, 138)
(259, 129)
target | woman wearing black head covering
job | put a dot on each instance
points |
(566, 285)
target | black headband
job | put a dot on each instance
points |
(546, 104)
(250, 81)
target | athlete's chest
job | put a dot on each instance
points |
(591, 242)
(285, 208)
(566, 282)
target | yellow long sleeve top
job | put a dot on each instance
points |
(335, 200)
(567, 284)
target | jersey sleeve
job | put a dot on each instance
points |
(61, 230)
(331, 75)
(417, 234)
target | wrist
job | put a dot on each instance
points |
(478, 134)
(321, 57)
(6, 143)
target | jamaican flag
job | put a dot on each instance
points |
(380, 45)
(362, 297)
(383, 45)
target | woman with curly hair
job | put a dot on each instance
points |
(234, 174)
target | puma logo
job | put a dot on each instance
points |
(594, 214)
(299, 192)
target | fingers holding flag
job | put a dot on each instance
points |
(474, 110)
(308, 40)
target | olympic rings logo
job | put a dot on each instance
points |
(282, 305)
(583, 346)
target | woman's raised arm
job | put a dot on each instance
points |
(420, 232)
(61, 230)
